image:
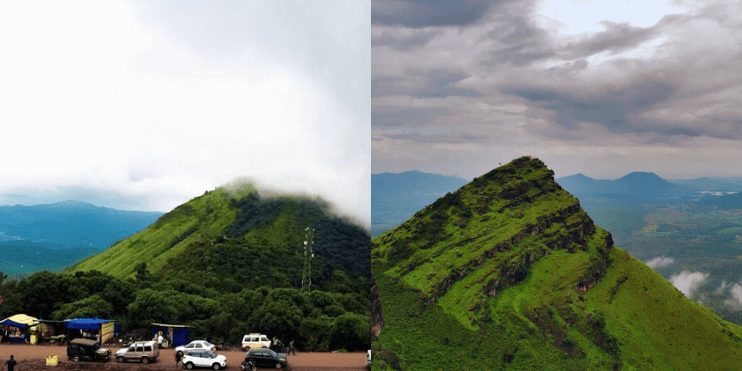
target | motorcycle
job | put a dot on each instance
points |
(249, 365)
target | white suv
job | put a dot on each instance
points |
(204, 359)
(143, 351)
(255, 341)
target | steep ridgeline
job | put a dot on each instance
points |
(243, 237)
(509, 272)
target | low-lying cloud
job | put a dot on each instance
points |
(660, 261)
(688, 282)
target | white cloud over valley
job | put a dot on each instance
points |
(688, 282)
(660, 261)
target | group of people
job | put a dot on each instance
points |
(277, 346)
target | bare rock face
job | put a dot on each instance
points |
(377, 316)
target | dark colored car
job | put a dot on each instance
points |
(79, 349)
(266, 358)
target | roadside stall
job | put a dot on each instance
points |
(102, 330)
(16, 328)
(176, 335)
(51, 331)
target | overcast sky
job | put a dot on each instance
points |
(156, 102)
(601, 88)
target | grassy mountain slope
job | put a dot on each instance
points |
(207, 216)
(239, 221)
(509, 272)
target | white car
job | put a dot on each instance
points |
(195, 346)
(204, 359)
(255, 341)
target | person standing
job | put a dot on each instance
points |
(292, 348)
(159, 341)
(177, 360)
(11, 363)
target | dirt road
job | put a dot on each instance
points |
(33, 358)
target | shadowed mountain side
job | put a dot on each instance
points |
(509, 272)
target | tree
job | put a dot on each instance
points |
(44, 292)
(351, 332)
(142, 273)
(93, 306)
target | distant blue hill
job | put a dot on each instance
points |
(396, 197)
(712, 184)
(733, 201)
(641, 187)
(52, 236)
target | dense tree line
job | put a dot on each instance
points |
(224, 288)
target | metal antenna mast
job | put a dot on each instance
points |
(306, 280)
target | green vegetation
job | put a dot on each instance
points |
(227, 263)
(509, 272)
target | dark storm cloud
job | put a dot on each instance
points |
(611, 106)
(406, 116)
(434, 138)
(524, 43)
(419, 83)
(617, 38)
(420, 13)
(403, 39)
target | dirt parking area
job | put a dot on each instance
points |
(33, 358)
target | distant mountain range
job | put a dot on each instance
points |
(396, 197)
(52, 236)
(637, 184)
(646, 187)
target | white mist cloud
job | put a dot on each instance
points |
(687, 282)
(724, 286)
(736, 300)
(660, 261)
(160, 102)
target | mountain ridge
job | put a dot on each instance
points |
(509, 272)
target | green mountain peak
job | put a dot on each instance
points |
(511, 267)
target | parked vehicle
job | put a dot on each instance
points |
(142, 351)
(204, 358)
(79, 349)
(266, 358)
(255, 341)
(196, 346)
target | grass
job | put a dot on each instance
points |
(210, 214)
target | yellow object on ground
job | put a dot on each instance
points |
(52, 361)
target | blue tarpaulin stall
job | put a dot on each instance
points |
(105, 327)
(21, 322)
(178, 334)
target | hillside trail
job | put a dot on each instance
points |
(33, 358)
